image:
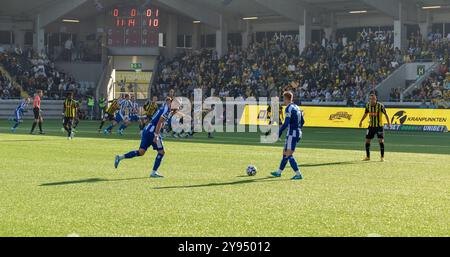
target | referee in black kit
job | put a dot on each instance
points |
(375, 110)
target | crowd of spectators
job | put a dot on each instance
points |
(434, 48)
(323, 72)
(435, 89)
(331, 71)
(7, 88)
(34, 71)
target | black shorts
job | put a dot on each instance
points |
(37, 113)
(68, 121)
(372, 131)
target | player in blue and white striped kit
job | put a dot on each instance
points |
(151, 136)
(18, 113)
(121, 115)
(133, 115)
(294, 122)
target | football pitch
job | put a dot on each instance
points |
(50, 186)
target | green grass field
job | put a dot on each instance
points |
(50, 186)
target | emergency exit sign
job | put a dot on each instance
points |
(136, 66)
(420, 70)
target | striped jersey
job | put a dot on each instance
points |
(125, 107)
(296, 120)
(134, 108)
(22, 106)
(164, 112)
(375, 113)
(150, 108)
(280, 112)
(70, 108)
(113, 107)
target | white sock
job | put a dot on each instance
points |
(298, 173)
(121, 157)
(279, 171)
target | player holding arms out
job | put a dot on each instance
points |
(294, 122)
(70, 111)
(375, 110)
(37, 112)
(151, 136)
(18, 113)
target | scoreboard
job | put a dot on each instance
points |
(133, 27)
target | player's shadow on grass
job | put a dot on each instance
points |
(20, 140)
(330, 164)
(231, 183)
(90, 180)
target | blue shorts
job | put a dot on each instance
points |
(134, 118)
(147, 141)
(291, 142)
(119, 118)
(18, 115)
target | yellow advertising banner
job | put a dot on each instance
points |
(346, 117)
(255, 115)
(435, 117)
(132, 76)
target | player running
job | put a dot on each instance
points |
(37, 112)
(294, 122)
(374, 109)
(18, 113)
(121, 114)
(150, 107)
(110, 112)
(70, 112)
(151, 136)
(133, 117)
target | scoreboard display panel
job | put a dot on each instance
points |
(133, 27)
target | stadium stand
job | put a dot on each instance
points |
(7, 88)
(29, 72)
(336, 58)
(330, 72)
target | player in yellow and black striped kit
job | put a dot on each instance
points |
(70, 112)
(150, 107)
(110, 112)
(269, 116)
(375, 110)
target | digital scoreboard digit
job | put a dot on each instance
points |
(133, 27)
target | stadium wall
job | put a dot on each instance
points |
(52, 109)
(82, 71)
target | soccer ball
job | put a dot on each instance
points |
(251, 170)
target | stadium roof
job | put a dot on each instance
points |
(25, 9)
(255, 7)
